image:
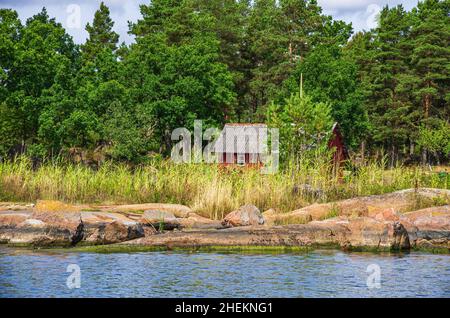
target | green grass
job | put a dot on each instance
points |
(244, 249)
(208, 189)
(231, 249)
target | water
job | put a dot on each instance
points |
(25, 273)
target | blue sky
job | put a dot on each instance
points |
(360, 12)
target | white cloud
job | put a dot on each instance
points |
(338, 5)
(359, 12)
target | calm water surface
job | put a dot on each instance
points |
(25, 273)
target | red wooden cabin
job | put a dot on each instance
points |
(244, 145)
(241, 145)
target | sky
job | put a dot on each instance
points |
(75, 14)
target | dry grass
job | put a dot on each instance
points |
(208, 189)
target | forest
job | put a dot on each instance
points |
(227, 61)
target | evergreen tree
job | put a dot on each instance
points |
(330, 77)
(304, 126)
(101, 35)
(231, 27)
(389, 105)
(431, 60)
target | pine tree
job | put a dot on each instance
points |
(101, 34)
(431, 56)
(231, 26)
(431, 60)
(390, 109)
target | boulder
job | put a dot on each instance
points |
(316, 212)
(387, 215)
(178, 210)
(369, 232)
(382, 207)
(429, 227)
(195, 221)
(277, 236)
(8, 206)
(108, 228)
(245, 216)
(297, 217)
(67, 228)
(429, 212)
(159, 220)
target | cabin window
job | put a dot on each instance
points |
(241, 159)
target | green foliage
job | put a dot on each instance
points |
(175, 72)
(435, 140)
(330, 77)
(304, 126)
(101, 35)
(226, 61)
(403, 68)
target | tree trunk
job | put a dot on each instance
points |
(392, 155)
(363, 151)
(424, 157)
(411, 148)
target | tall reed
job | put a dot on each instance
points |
(208, 189)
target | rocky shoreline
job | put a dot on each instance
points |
(398, 221)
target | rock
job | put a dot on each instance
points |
(57, 206)
(387, 215)
(272, 217)
(244, 216)
(54, 206)
(369, 232)
(401, 238)
(284, 236)
(297, 217)
(429, 212)
(107, 228)
(387, 229)
(195, 221)
(67, 228)
(159, 220)
(377, 206)
(269, 212)
(9, 219)
(36, 231)
(429, 227)
(7, 206)
(405, 200)
(155, 216)
(351, 208)
(308, 190)
(315, 212)
(177, 210)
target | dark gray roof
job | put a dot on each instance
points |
(242, 139)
